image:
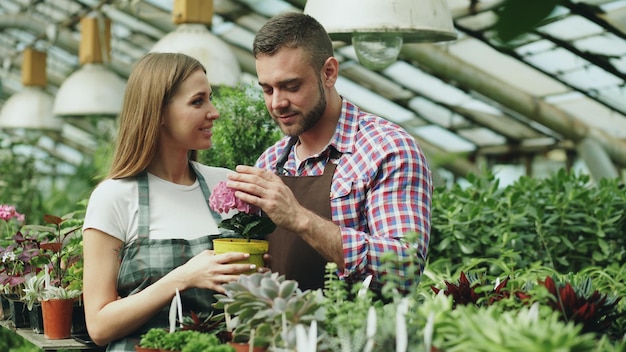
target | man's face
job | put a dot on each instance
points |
(293, 91)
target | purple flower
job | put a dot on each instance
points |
(223, 200)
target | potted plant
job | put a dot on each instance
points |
(57, 306)
(21, 258)
(151, 341)
(57, 298)
(160, 340)
(33, 293)
(207, 323)
(263, 309)
(245, 231)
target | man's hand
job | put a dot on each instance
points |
(267, 191)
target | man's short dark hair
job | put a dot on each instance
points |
(294, 30)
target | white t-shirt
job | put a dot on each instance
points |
(176, 211)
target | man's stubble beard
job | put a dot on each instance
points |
(309, 120)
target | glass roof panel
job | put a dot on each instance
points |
(570, 28)
(516, 74)
(556, 61)
(591, 112)
(435, 113)
(614, 96)
(372, 102)
(607, 44)
(483, 136)
(479, 22)
(444, 139)
(590, 77)
(426, 85)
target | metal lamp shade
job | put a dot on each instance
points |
(417, 20)
(91, 90)
(30, 108)
(197, 41)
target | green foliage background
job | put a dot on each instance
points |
(564, 222)
(244, 129)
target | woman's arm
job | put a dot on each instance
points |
(110, 317)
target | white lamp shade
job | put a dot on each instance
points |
(417, 20)
(197, 41)
(30, 108)
(91, 90)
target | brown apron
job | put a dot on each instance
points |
(291, 255)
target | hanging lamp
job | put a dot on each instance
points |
(192, 37)
(31, 108)
(93, 89)
(377, 29)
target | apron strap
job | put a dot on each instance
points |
(143, 226)
(206, 192)
(280, 163)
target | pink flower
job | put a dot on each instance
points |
(223, 200)
(8, 212)
(247, 222)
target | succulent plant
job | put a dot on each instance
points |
(266, 308)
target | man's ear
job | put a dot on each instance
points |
(330, 71)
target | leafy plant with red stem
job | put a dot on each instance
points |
(55, 246)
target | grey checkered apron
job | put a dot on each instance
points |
(144, 261)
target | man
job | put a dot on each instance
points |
(343, 185)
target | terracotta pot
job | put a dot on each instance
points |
(57, 318)
(256, 249)
(244, 347)
(145, 349)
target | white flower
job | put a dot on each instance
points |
(9, 257)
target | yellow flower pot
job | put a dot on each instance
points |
(256, 249)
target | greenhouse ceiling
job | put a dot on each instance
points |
(554, 95)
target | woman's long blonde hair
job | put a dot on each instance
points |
(155, 78)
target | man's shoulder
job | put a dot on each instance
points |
(376, 126)
(369, 122)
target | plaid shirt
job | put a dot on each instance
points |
(381, 190)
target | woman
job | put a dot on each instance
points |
(147, 226)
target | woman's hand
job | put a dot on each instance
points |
(209, 270)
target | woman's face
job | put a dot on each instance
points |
(188, 120)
